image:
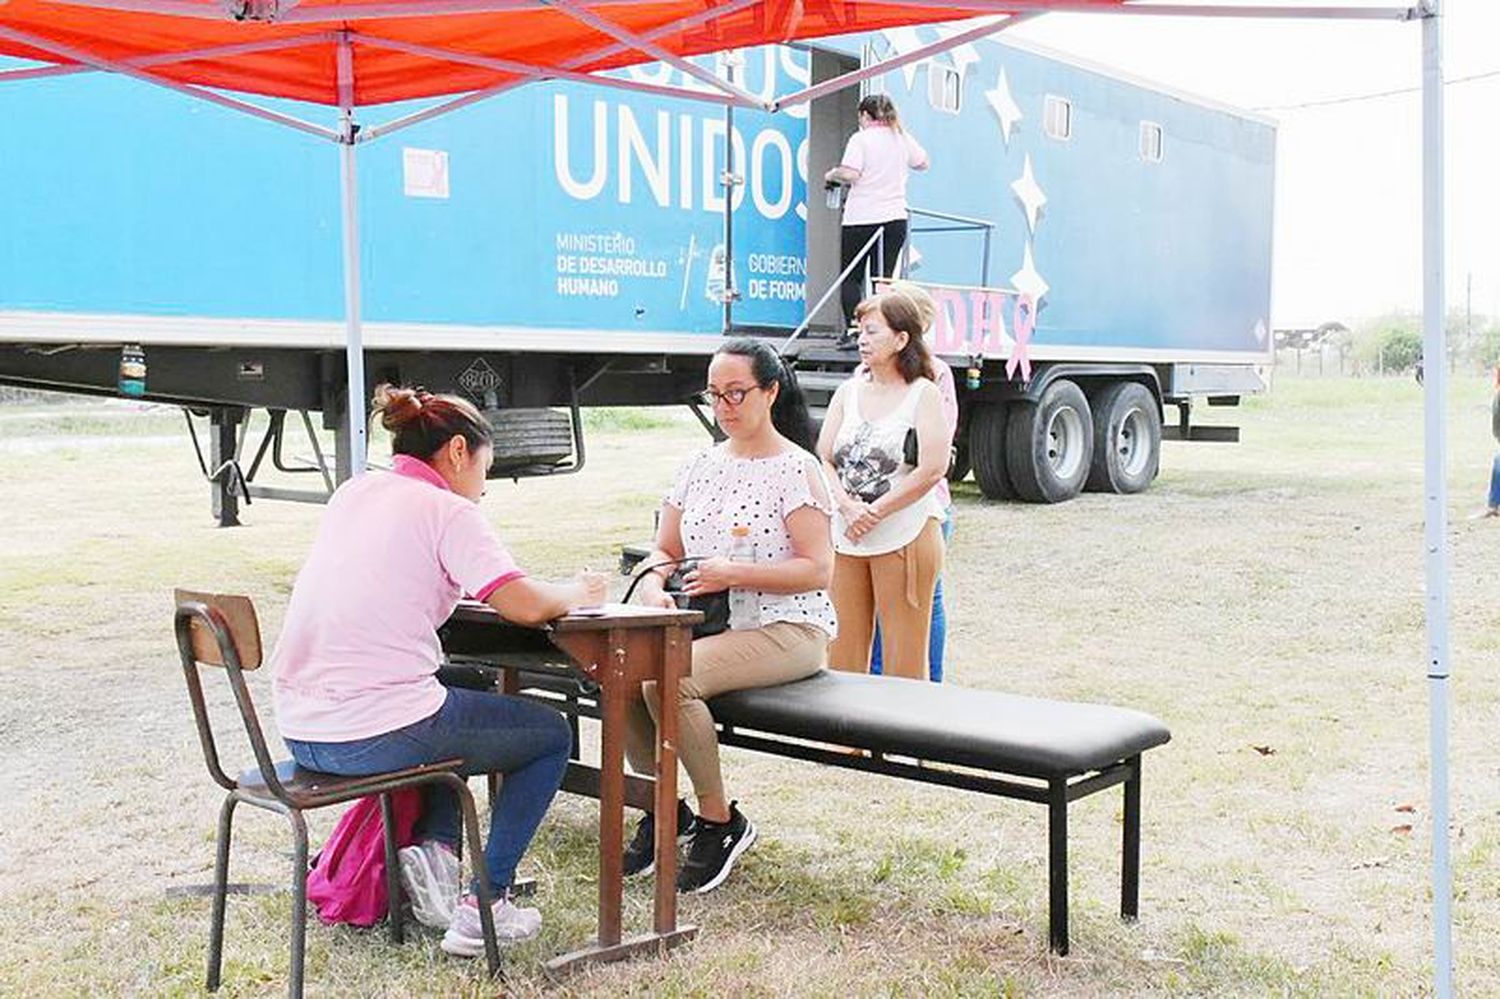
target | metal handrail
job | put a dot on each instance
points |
(949, 217)
(878, 236)
(961, 223)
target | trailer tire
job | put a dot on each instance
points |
(1050, 444)
(1127, 439)
(987, 450)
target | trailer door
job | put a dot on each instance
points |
(831, 119)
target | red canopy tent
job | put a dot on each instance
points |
(360, 53)
(404, 49)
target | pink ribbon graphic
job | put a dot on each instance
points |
(1023, 321)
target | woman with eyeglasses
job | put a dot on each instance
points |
(759, 487)
(887, 521)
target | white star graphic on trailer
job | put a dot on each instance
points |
(1027, 280)
(904, 40)
(1030, 193)
(1004, 106)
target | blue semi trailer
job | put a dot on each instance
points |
(1100, 247)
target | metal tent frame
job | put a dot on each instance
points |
(331, 24)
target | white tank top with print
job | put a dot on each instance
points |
(869, 456)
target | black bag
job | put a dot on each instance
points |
(715, 606)
(910, 453)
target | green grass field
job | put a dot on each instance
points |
(1264, 599)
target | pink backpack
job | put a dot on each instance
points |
(347, 881)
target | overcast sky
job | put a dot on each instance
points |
(1348, 211)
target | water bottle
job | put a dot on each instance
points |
(744, 604)
(833, 195)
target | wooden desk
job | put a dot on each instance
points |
(617, 650)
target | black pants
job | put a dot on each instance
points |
(881, 258)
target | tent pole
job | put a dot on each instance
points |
(731, 181)
(1435, 381)
(354, 344)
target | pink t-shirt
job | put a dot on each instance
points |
(883, 156)
(359, 647)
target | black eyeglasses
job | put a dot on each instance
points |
(731, 397)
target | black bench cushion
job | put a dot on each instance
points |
(935, 722)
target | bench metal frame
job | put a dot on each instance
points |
(1057, 793)
(562, 690)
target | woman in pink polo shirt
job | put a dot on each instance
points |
(875, 165)
(355, 684)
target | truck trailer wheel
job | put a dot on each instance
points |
(1050, 443)
(1127, 439)
(987, 450)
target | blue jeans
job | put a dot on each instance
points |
(938, 637)
(526, 743)
(1495, 482)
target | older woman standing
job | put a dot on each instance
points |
(876, 163)
(763, 482)
(887, 537)
(948, 393)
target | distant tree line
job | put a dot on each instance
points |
(1392, 343)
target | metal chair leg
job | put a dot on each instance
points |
(481, 874)
(221, 892)
(392, 870)
(299, 902)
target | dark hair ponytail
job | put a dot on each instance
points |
(789, 412)
(421, 423)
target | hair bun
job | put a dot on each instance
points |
(398, 406)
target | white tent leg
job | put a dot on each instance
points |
(354, 343)
(1435, 380)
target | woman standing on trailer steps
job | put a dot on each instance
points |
(875, 165)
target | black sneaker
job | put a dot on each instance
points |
(640, 855)
(848, 339)
(716, 846)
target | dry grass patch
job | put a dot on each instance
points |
(1264, 599)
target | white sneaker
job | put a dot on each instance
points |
(513, 924)
(429, 876)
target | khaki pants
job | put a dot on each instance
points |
(895, 587)
(731, 660)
